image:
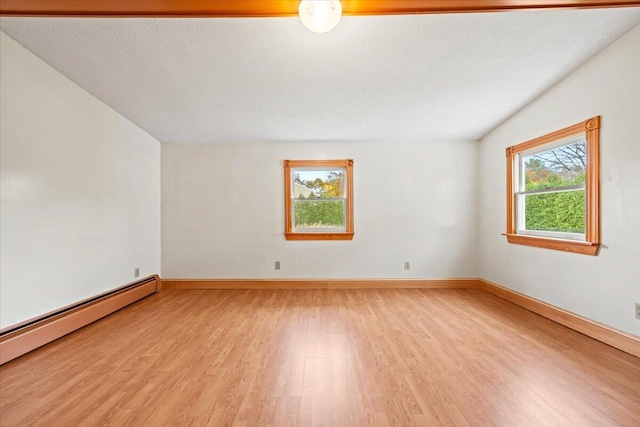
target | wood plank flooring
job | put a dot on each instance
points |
(322, 357)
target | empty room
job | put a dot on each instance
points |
(319, 213)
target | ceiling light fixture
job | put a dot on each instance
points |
(320, 16)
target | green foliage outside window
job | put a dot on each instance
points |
(562, 212)
(319, 214)
(559, 211)
(313, 211)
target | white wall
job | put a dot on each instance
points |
(223, 211)
(602, 288)
(80, 191)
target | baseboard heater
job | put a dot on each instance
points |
(27, 336)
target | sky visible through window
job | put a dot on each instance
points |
(311, 208)
(307, 175)
(322, 183)
(553, 170)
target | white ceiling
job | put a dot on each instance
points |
(381, 78)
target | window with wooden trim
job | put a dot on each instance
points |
(318, 199)
(553, 190)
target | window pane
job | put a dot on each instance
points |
(559, 167)
(560, 212)
(318, 184)
(319, 213)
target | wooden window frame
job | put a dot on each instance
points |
(591, 245)
(289, 233)
(253, 8)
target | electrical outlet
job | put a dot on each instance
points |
(638, 310)
(407, 265)
(136, 272)
(277, 265)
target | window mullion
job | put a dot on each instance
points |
(555, 217)
(551, 190)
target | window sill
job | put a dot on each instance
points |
(318, 236)
(586, 248)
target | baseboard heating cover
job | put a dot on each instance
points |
(27, 336)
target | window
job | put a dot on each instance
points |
(318, 199)
(553, 190)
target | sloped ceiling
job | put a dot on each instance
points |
(373, 78)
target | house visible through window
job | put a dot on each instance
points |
(318, 200)
(553, 190)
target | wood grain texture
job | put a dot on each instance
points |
(615, 338)
(575, 246)
(588, 327)
(572, 130)
(25, 339)
(591, 129)
(275, 8)
(289, 232)
(592, 184)
(322, 357)
(288, 211)
(318, 283)
(511, 201)
(318, 236)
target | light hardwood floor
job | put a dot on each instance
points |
(322, 357)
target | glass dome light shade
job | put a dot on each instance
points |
(320, 16)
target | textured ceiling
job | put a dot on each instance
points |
(380, 78)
